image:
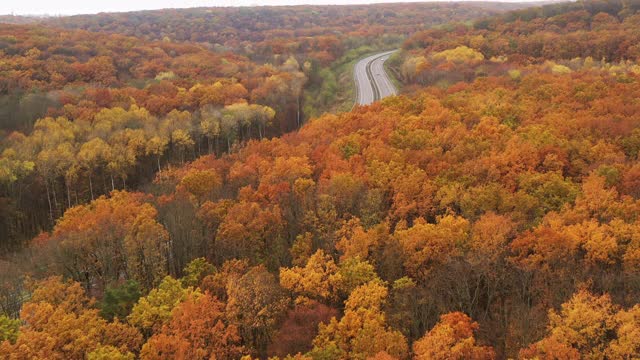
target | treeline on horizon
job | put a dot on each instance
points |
(492, 211)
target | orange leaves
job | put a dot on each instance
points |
(197, 330)
(287, 169)
(59, 323)
(217, 94)
(452, 338)
(546, 247)
(299, 328)
(250, 231)
(413, 195)
(255, 305)
(113, 234)
(598, 232)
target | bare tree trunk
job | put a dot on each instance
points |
(68, 194)
(55, 197)
(91, 187)
(298, 114)
(113, 185)
(46, 183)
(159, 169)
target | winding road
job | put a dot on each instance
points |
(372, 81)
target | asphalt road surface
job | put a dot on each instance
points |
(372, 81)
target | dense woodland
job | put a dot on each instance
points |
(182, 207)
(108, 108)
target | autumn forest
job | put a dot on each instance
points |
(198, 183)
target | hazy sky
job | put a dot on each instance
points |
(69, 7)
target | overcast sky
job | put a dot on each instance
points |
(70, 7)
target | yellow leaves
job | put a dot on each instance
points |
(8, 329)
(628, 334)
(156, 145)
(11, 170)
(598, 241)
(459, 55)
(428, 245)
(451, 338)
(154, 310)
(352, 273)
(314, 280)
(584, 323)
(201, 183)
(574, 236)
(589, 326)
(109, 353)
(301, 249)
(322, 279)
(146, 246)
(362, 331)
(358, 243)
(413, 66)
(560, 69)
(371, 296)
(596, 199)
(181, 138)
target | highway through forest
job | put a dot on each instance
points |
(372, 81)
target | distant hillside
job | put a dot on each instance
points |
(17, 19)
(569, 36)
(228, 25)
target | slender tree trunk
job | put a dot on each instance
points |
(91, 187)
(298, 114)
(68, 193)
(113, 185)
(55, 197)
(159, 169)
(46, 184)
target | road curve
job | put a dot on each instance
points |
(372, 81)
